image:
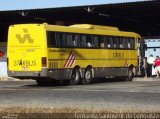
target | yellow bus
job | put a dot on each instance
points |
(76, 54)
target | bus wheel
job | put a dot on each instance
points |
(42, 83)
(130, 75)
(88, 79)
(66, 82)
(76, 77)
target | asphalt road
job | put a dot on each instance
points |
(134, 95)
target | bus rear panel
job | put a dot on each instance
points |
(27, 51)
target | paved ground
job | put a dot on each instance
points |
(136, 95)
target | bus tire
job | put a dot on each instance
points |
(66, 82)
(130, 75)
(88, 76)
(42, 83)
(75, 77)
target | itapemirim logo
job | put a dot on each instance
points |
(22, 39)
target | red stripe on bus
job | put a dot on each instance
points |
(68, 59)
(72, 61)
(126, 63)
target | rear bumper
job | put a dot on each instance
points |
(28, 74)
(56, 74)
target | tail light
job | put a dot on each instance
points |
(44, 61)
(7, 62)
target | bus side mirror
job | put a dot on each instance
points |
(145, 47)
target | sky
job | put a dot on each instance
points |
(32, 4)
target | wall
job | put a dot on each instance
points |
(150, 51)
(3, 59)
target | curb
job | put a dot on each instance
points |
(146, 79)
(9, 79)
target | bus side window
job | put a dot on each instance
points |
(114, 42)
(95, 41)
(132, 42)
(111, 41)
(129, 43)
(76, 40)
(102, 45)
(58, 39)
(125, 41)
(83, 41)
(101, 42)
(51, 40)
(69, 40)
(92, 40)
(63, 39)
(74, 43)
(121, 45)
(88, 41)
(117, 42)
(107, 42)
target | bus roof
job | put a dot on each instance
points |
(91, 29)
(87, 29)
(91, 26)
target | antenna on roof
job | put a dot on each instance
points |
(89, 9)
(23, 13)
